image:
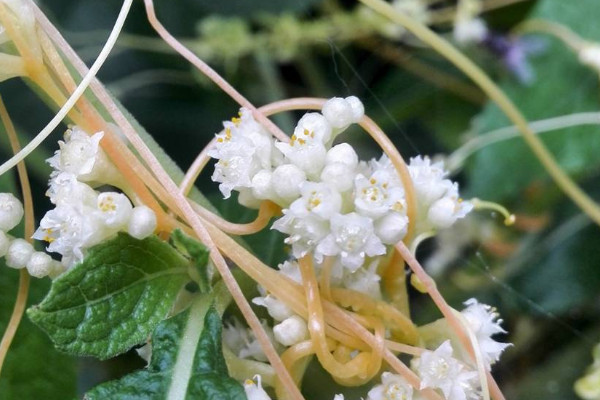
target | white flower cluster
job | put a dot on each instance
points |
(83, 217)
(333, 204)
(439, 369)
(18, 252)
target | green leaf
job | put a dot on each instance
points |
(187, 361)
(199, 255)
(114, 299)
(562, 86)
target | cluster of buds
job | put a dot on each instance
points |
(84, 217)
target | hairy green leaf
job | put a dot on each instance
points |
(185, 364)
(114, 299)
(562, 86)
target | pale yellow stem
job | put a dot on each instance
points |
(23, 290)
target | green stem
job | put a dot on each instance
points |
(443, 47)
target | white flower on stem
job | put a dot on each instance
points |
(18, 254)
(444, 212)
(427, 179)
(69, 230)
(341, 112)
(291, 331)
(254, 390)
(114, 209)
(142, 222)
(64, 188)
(304, 230)
(291, 270)
(352, 238)
(276, 308)
(80, 154)
(11, 211)
(243, 148)
(375, 196)
(392, 387)
(318, 199)
(306, 148)
(439, 370)
(484, 323)
(364, 280)
(242, 341)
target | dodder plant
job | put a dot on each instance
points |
(146, 261)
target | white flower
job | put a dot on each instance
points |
(115, 209)
(276, 309)
(142, 222)
(393, 387)
(352, 237)
(80, 155)
(64, 188)
(254, 389)
(18, 254)
(243, 148)
(377, 195)
(262, 187)
(444, 212)
(469, 30)
(483, 321)
(304, 230)
(69, 230)
(427, 179)
(291, 270)
(338, 175)
(11, 211)
(439, 370)
(318, 199)
(290, 331)
(306, 148)
(242, 341)
(364, 280)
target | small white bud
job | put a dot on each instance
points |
(338, 175)
(142, 223)
(338, 112)
(287, 180)
(40, 264)
(291, 331)
(276, 309)
(313, 126)
(470, 31)
(56, 269)
(358, 109)
(18, 254)
(4, 243)
(261, 185)
(342, 153)
(11, 211)
(391, 227)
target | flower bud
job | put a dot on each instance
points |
(291, 331)
(40, 264)
(142, 223)
(342, 153)
(11, 211)
(18, 254)
(287, 180)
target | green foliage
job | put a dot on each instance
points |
(114, 299)
(199, 255)
(208, 377)
(562, 86)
